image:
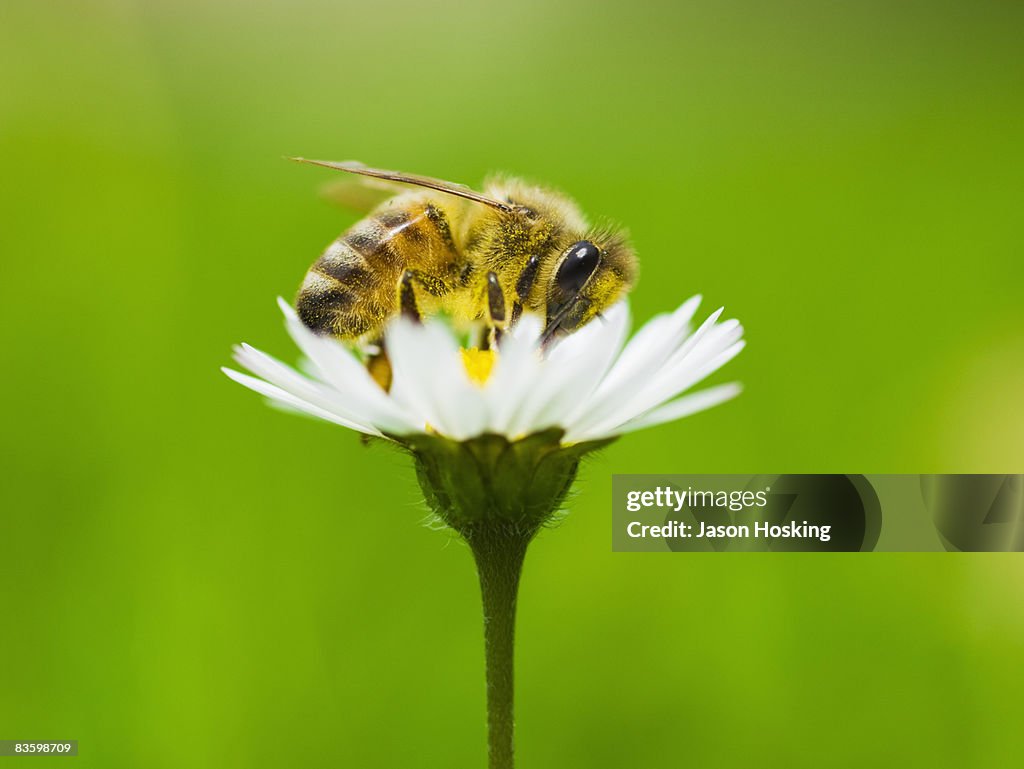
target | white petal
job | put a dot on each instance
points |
(671, 386)
(592, 383)
(708, 338)
(635, 374)
(430, 379)
(340, 369)
(589, 369)
(645, 353)
(518, 368)
(412, 372)
(677, 409)
(289, 380)
(571, 372)
(705, 352)
(652, 344)
(285, 398)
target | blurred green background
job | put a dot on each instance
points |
(190, 579)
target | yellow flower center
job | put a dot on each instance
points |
(478, 364)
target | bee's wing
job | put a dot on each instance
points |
(451, 188)
(359, 194)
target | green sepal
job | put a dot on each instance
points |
(489, 478)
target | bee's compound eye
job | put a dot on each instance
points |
(579, 264)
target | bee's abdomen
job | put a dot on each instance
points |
(350, 289)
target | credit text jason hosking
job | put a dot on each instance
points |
(675, 500)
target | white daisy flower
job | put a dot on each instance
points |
(592, 385)
(497, 436)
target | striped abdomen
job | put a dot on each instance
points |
(353, 288)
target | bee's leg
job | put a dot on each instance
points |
(407, 298)
(495, 308)
(379, 366)
(523, 287)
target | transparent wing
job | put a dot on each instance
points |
(359, 194)
(450, 188)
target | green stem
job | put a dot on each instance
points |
(499, 550)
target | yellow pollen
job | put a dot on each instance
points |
(478, 364)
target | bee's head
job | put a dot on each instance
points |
(586, 278)
(577, 271)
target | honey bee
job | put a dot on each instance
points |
(433, 246)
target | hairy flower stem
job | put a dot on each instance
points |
(499, 549)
